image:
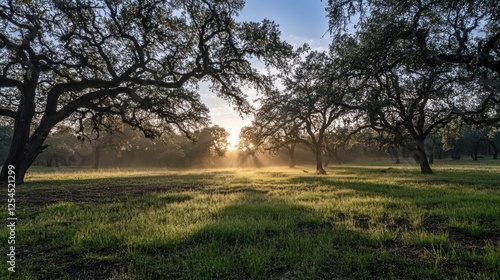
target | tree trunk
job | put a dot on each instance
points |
(24, 149)
(455, 154)
(131, 157)
(337, 157)
(291, 152)
(421, 158)
(22, 156)
(394, 153)
(474, 151)
(97, 158)
(430, 151)
(326, 159)
(396, 157)
(319, 161)
(495, 149)
(440, 153)
(84, 159)
(425, 167)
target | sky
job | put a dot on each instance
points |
(300, 21)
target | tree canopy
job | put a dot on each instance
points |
(138, 60)
(417, 65)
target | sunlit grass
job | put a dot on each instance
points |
(376, 221)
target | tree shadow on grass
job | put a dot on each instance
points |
(115, 188)
(440, 200)
(38, 194)
(259, 237)
(397, 189)
(266, 238)
(427, 195)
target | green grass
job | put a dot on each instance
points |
(372, 221)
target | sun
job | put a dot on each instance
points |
(233, 140)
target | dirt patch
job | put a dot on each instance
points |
(311, 227)
(362, 221)
(94, 269)
(435, 224)
(41, 198)
(471, 242)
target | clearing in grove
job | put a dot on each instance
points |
(375, 221)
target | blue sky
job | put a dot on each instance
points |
(300, 21)
(296, 18)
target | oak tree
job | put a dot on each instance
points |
(417, 65)
(139, 60)
(314, 97)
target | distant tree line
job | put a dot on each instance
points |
(346, 146)
(125, 146)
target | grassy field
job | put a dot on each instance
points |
(358, 222)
